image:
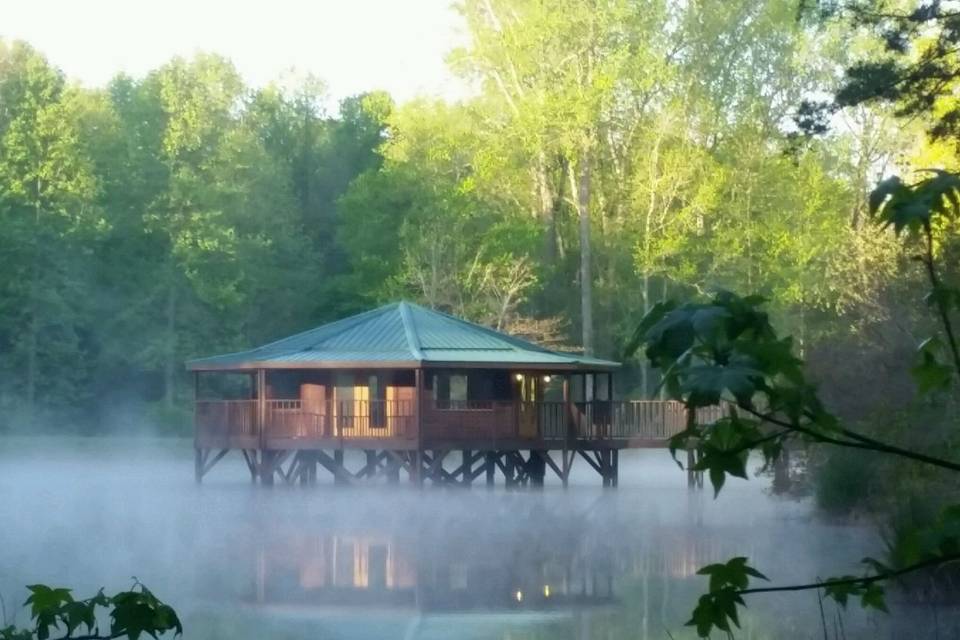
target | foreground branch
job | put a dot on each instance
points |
(878, 577)
(860, 442)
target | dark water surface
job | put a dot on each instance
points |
(239, 561)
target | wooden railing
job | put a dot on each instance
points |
(226, 418)
(488, 421)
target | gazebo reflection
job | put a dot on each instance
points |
(376, 570)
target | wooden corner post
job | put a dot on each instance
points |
(416, 466)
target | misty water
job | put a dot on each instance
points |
(241, 561)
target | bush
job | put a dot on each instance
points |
(845, 481)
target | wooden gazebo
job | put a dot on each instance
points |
(406, 386)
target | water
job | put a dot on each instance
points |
(240, 561)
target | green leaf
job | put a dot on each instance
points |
(873, 598)
(930, 374)
(706, 384)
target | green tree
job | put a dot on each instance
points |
(48, 213)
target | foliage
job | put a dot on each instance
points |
(620, 151)
(57, 614)
(727, 350)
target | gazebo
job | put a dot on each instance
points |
(407, 386)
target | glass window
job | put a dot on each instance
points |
(451, 390)
(458, 389)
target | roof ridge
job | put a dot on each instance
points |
(513, 341)
(410, 329)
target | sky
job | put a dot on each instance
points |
(353, 45)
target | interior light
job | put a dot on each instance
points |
(519, 378)
(519, 596)
(546, 378)
(546, 591)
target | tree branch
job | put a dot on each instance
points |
(879, 577)
(861, 442)
(938, 299)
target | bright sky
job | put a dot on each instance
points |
(353, 45)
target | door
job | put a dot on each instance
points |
(528, 393)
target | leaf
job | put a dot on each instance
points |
(873, 598)
(652, 317)
(931, 375)
(841, 592)
(883, 192)
(706, 384)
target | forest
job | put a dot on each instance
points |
(610, 156)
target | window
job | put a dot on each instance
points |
(378, 402)
(344, 407)
(459, 391)
(459, 384)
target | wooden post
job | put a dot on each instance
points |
(312, 469)
(536, 468)
(393, 470)
(196, 397)
(569, 437)
(491, 467)
(610, 431)
(338, 461)
(267, 459)
(416, 469)
(261, 405)
(615, 468)
(198, 455)
(466, 467)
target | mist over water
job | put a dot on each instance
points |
(242, 561)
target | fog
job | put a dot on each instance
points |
(243, 561)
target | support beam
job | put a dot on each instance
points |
(250, 457)
(553, 465)
(342, 477)
(198, 461)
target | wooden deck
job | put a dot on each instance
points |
(392, 424)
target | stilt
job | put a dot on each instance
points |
(312, 469)
(250, 457)
(338, 462)
(490, 467)
(416, 467)
(466, 467)
(691, 474)
(266, 467)
(393, 469)
(536, 468)
(615, 468)
(198, 465)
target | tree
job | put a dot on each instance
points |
(726, 350)
(48, 212)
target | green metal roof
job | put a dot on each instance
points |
(400, 335)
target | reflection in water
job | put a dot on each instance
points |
(325, 563)
(371, 569)
(498, 554)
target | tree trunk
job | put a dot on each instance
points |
(546, 204)
(170, 366)
(33, 329)
(33, 326)
(581, 188)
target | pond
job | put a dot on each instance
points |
(243, 561)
